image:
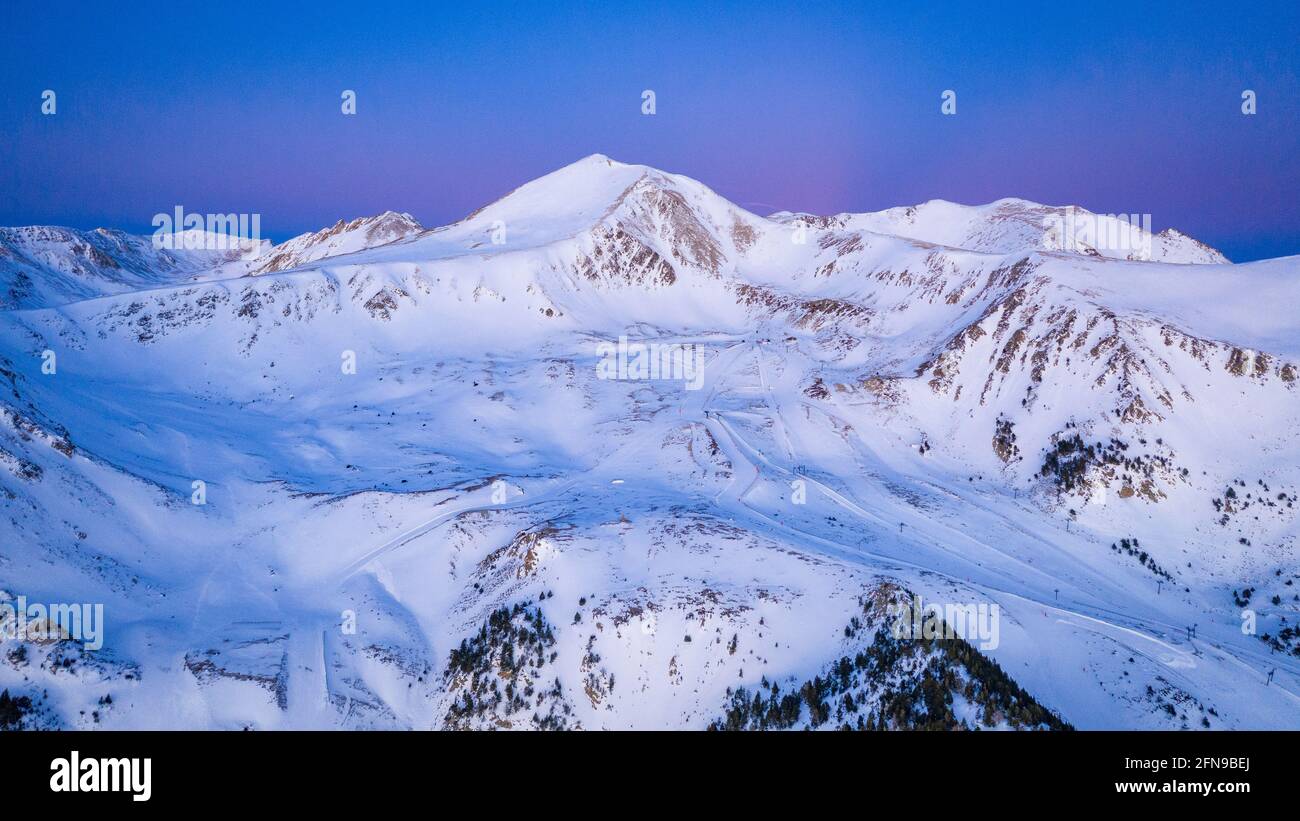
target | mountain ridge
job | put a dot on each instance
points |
(470, 234)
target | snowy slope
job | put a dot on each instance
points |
(409, 432)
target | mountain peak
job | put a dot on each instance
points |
(598, 159)
(341, 238)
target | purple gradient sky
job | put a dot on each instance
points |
(228, 107)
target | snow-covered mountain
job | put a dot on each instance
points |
(42, 266)
(340, 238)
(390, 477)
(45, 265)
(1014, 225)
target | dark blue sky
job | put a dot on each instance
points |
(823, 107)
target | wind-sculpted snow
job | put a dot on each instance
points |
(391, 477)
